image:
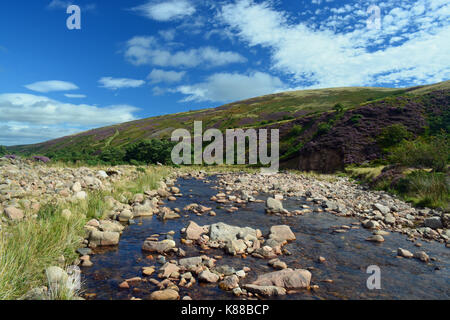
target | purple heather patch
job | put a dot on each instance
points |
(41, 159)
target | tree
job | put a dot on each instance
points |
(3, 151)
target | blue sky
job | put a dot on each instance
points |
(138, 58)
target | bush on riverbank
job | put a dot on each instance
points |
(424, 152)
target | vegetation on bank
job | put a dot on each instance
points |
(417, 169)
(28, 247)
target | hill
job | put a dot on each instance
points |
(314, 134)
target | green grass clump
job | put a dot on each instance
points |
(425, 189)
(29, 247)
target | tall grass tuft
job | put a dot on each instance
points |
(29, 247)
(426, 189)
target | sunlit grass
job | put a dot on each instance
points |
(27, 248)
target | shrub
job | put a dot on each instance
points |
(296, 131)
(3, 151)
(430, 152)
(392, 135)
(150, 151)
(323, 128)
(113, 156)
(338, 107)
(356, 118)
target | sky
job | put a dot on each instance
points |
(138, 58)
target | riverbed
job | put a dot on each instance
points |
(347, 254)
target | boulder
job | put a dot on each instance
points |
(194, 231)
(229, 283)
(208, 276)
(287, 278)
(234, 247)
(111, 226)
(125, 216)
(13, 213)
(168, 214)
(404, 253)
(57, 279)
(76, 187)
(433, 222)
(267, 291)
(104, 238)
(189, 262)
(422, 256)
(223, 232)
(167, 294)
(383, 209)
(158, 246)
(281, 233)
(274, 205)
(168, 270)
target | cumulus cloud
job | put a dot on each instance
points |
(158, 75)
(231, 87)
(52, 85)
(145, 50)
(342, 51)
(166, 10)
(27, 118)
(119, 83)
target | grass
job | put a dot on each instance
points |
(27, 248)
(421, 187)
(425, 189)
(365, 173)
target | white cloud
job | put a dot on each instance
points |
(231, 87)
(63, 4)
(42, 110)
(119, 83)
(341, 51)
(167, 35)
(158, 75)
(52, 85)
(166, 10)
(145, 50)
(26, 118)
(75, 96)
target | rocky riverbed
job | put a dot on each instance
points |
(239, 236)
(230, 242)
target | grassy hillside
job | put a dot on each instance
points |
(288, 111)
(253, 112)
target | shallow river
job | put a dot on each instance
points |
(347, 255)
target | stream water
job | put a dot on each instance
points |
(347, 255)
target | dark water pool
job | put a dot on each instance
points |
(348, 255)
